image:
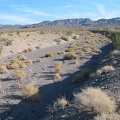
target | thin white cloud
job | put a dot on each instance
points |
(30, 10)
(68, 6)
(115, 4)
(16, 18)
(104, 13)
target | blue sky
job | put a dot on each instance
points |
(35, 11)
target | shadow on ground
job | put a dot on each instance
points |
(36, 111)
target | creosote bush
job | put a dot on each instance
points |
(84, 74)
(95, 100)
(19, 74)
(3, 69)
(30, 93)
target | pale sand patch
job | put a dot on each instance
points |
(24, 40)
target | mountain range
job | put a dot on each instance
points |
(69, 23)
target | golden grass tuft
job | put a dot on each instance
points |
(29, 62)
(105, 69)
(19, 74)
(14, 65)
(3, 69)
(95, 100)
(22, 65)
(22, 57)
(39, 60)
(62, 102)
(57, 76)
(75, 62)
(31, 93)
(37, 47)
(113, 116)
(70, 56)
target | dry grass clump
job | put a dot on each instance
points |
(51, 54)
(113, 116)
(39, 60)
(31, 93)
(62, 102)
(64, 38)
(3, 69)
(29, 62)
(75, 37)
(115, 53)
(57, 76)
(70, 56)
(95, 100)
(14, 65)
(30, 49)
(22, 65)
(58, 64)
(26, 50)
(85, 73)
(69, 50)
(96, 50)
(37, 47)
(22, 57)
(17, 61)
(19, 74)
(105, 69)
(75, 62)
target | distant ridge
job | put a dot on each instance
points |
(69, 23)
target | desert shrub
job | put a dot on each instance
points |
(22, 65)
(26, 50)
(116, 40)
(17, 61)
(58, 64)
(14, 65)
(19, 74)
(70, 56)
(113, 116)
(29, 62)
(57, 76)
(58, 69)
(75, 37)
(75, 62)
(62, 102)
(69, 50)
(51, 54)
(31, 93)
(96, 100)
(30, 49)
(64, 38)
(3, 69)
(115, 53)
(39, 60)
(37, 47)
(85, 73)
(105, 69)
(22, 57)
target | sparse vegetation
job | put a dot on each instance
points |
(31, 93)
(64, 38)
(95, 100)
(19, 74)
(3, 69)
(70, 56)
(105, 69)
